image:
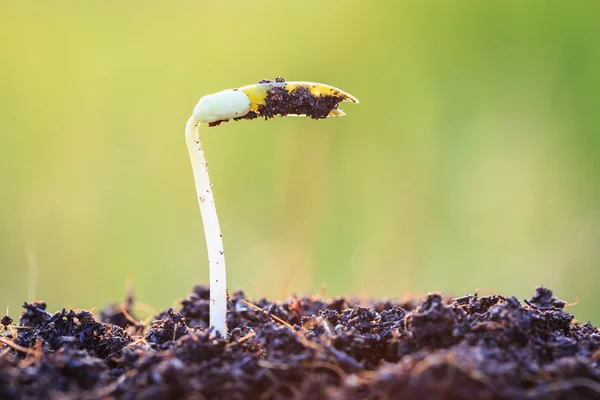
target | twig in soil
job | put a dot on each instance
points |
(144, 308)
(9, 327)
(343, 358)
(322, 348)
(275, 317)
(474, 322)
(141, 340)
(37, 351)
(16, 346)
(272, 365)
(129, 317)
(564, 385)
(240, 340)
(488, 324)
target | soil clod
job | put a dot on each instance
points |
(299, 101)
(6, 321)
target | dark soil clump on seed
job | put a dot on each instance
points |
(472, 347)
(298, 101)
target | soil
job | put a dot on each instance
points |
(298, 101)
(472, 347)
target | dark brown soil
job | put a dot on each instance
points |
(299, 101)
(471, 347)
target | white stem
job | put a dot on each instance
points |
(212, 231)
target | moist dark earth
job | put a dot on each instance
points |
(472, 347)
(299, 101)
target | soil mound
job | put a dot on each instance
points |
(472, 347)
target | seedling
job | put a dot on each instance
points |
(265, 99)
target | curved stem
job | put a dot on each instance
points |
(212, 231)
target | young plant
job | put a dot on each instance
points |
(265, 99)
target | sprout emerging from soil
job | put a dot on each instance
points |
(266, 99)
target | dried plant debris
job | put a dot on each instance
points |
(472, 347)
(281, 98)
(121, 315)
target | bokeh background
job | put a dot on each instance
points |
(471, 162)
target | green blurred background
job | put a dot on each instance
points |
(471, 162)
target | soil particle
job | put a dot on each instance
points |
(434, 323)
(543, 298)
(6, 321)
(35, 314)
(166, 330)
(195, 308)
(217, 123)
(472, 347)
